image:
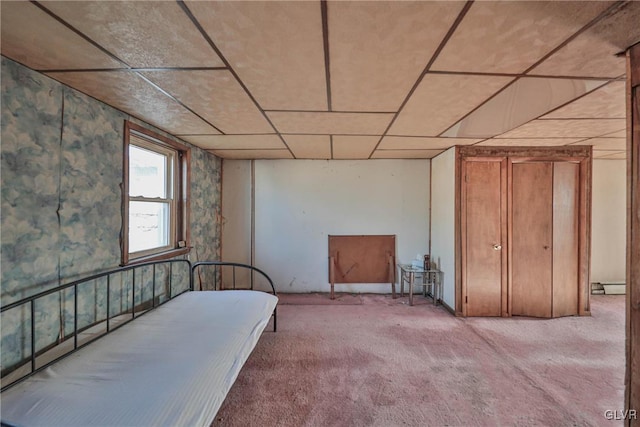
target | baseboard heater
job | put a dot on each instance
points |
(608, 288)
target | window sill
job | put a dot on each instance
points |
(159, 256)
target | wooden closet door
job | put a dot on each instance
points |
(484, 213)
(565, 238)
(531, 239)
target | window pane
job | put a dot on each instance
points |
(147, 173)
(148, 225)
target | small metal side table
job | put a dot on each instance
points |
(428, 278)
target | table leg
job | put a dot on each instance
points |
(411, 280)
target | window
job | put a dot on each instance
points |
(155, 205)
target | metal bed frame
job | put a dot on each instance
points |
(144, 306)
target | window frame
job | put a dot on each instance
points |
(180, 239)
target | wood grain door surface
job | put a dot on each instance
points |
(482, 253)
(566, 176)
(531, 239)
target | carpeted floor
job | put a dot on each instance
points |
(371, 360)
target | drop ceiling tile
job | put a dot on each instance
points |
(142, 34)
(216, 96)
(378, 49)
(238, 142)
(405, 154)
(275, 47)
(530, 142)
(510, 36)
(607, 102)
(422, 143)
(616, 144)
(526, 99)
(441, 100)
(569, 128)
(326, 123)
(609, 155)
(33, 38)
(309, 146)
(618, 134)
(253, 154)
(127, 91)
(353, 147)
(593, 53)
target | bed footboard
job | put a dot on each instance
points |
(254, 280)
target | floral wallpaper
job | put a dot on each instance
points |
(61, 169)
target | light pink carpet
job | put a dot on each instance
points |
(378, 361)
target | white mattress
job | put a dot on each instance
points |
(171, 367)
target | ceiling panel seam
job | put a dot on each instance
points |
(146, 79)
(517, 75)
(325, 42)
(141, 70)
(209, 40)
(559, 119)
(111, 55)
(79, 33)
(444, 41)
(611, 10)
(332, 111)
(331, 144)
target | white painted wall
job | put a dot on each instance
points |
(442, 224)
(608, 221)
(300, 202)
(236, 215)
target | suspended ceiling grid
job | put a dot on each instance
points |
(340, 79)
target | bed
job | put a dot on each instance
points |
(170, 364)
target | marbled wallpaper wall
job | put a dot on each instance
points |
(61, 170)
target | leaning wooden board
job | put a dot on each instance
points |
(362, 259)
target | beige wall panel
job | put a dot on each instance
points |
(509, 37)
(127, 91)
(405, 154)
(330, 123)
(309, 146)
(566, 128)
(529, 142)
(422, 143)
(141, 34)
(617, 144)
(239, 142)
(35, 39)
(275, 47)
(441, 100)
(353, 147)
(253, 154)
(378, 50)
(216, 96)
(607, 102)
(593, 53)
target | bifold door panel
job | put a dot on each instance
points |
(531, 239)
(565, 238)
(483, 200)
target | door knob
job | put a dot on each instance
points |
(497, 247)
